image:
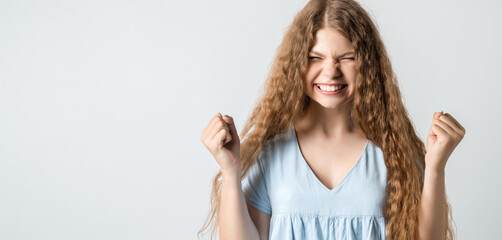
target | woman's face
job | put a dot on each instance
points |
(331, 64)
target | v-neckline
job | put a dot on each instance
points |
(311, 172)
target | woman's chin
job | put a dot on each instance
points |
(331, 105)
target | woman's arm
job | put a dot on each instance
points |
(444, 136)
(261, 220)
(235, 221)
(431, 215)
(221, 139)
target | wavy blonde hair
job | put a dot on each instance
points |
(377, 110)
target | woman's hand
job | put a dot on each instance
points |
(444, 135)
(221, 139)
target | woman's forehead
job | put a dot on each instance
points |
(328, 39)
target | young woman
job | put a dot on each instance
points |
(332, 153)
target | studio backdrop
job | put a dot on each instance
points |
(103, 103)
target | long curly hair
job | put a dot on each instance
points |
(377, 109)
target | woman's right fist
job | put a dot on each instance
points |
(221, 139)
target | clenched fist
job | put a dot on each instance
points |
(444, 136)
(221, 139)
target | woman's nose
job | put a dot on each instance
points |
(332, 68)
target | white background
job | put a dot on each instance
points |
(102, 105)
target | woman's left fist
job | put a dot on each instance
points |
(444, 136)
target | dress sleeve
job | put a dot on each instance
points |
(254, 186)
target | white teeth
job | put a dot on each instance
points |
(329, 88)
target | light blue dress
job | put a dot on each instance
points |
(282, 184)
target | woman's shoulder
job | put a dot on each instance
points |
(279, 141)
(275, 148)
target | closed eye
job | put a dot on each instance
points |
(310, 58)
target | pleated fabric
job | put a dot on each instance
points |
(282, 184)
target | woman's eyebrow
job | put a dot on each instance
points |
(318, 53)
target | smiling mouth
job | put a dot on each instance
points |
(331, 87)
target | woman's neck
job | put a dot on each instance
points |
(332, 124)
